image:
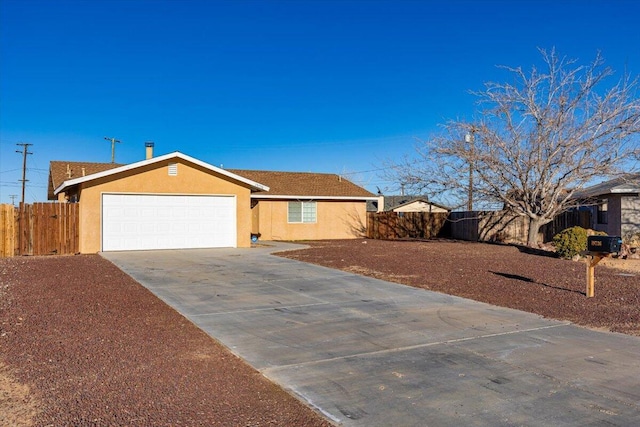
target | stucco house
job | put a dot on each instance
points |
(614, 206)
(405, 204)
(177, 201)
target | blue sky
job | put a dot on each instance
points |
(321, 86)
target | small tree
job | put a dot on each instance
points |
(536, 143)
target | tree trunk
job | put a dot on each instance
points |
(534, 229)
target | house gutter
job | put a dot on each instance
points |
(300, 197)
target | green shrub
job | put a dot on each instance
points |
(570, 242)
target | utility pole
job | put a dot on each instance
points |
(13, 198)
(24, 152)
(468, 138)
(113, 147)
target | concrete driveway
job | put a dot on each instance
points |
(366, 352)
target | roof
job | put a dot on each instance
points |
(301, 185)
(419, 199)
(628, 184)
(175, 155)
(60, 171)
(393, 202)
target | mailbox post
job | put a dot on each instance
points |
(599, 247)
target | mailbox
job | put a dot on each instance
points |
(604, 244)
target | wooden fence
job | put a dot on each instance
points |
(490, 226)
(40, 229)
(404, 225)
(8, 232)
(564, 221)
(493, 226)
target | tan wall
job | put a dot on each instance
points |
(191, 179)
(335, 220)
(255, 218)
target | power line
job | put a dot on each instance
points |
(10, 170)
(25, 151)
(17, 185)
(370, 170)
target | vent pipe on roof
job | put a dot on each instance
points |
(149, 149)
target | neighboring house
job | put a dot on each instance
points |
(176, 201)
(614, 206)
(405, 204)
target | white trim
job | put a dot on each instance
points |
(269, 196)
(176, 154)
(153, 193)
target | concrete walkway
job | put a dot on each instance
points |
(366, 352)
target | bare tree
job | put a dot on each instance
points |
(536, 143)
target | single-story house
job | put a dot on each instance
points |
(306, 206)
(614, 206)
(176, 201)
(405, 204)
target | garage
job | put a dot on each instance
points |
(153, 221)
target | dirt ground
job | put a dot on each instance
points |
(82, 344)
(496, 274)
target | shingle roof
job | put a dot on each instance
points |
(303, 184)
(60, 171)
(626, 184)
(115, 169)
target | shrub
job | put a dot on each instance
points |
(570, 242)
(632, 239)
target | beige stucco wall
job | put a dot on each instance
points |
(191, 179)
(335, 220)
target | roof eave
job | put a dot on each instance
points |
(254, 185)
(307, 197)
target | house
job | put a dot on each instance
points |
(176, 201)
(405, 204)
(306, 206)
(614, 206)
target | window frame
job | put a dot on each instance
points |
(302, 212)
(602, 212)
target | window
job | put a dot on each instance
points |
(602, 212)
(304, 212)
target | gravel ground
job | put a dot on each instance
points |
(495, 274)
(82, 344)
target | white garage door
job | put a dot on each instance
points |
(138, 222)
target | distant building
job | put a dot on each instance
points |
(614, 206)
(404, 204)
